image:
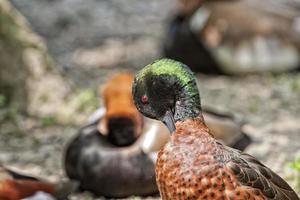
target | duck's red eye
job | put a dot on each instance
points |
(144, 99)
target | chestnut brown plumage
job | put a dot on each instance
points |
(194, 165)
(122, 123)
(15, 186)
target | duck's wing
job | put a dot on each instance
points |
(96, 116)
(250, 35)
(233, 22)
(18, 176)
(227, 128)
(249, 172)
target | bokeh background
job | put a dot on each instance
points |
(54, 55)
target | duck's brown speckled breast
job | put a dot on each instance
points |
(192, 166)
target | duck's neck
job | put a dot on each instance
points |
(188, 112)
(188, 104)
(188, 127)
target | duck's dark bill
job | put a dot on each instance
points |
(169, 121)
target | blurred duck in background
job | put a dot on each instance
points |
(122, 123)
(114, 154)
(106, 155)
(15, 186)
(236, 36)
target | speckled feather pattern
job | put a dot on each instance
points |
(193, 165)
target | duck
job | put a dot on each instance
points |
(235, 37)
(101, 163)
(193, 164)
(107, 150)
(121, 122)
(106, 170)
(15, 186)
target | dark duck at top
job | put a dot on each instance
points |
(193, 164)
(235, 36)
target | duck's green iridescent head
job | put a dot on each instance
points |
(166, 90)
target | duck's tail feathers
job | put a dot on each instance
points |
(242, 142)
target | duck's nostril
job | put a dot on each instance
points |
(121, 131)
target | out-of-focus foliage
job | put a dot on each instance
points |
(86, 101)
(48, 121)
(296, 165)
(2, 100)
(296, 168)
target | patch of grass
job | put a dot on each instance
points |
(15, 132)
(86, 100)
(289, 82)
(44, 98)
(296, 168)
(10, 123)
(48, 121)
(12, 113)
(2, 100)
(296, 164)
(295, 85)
(254, 105)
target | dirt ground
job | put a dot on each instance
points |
(96, 39)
